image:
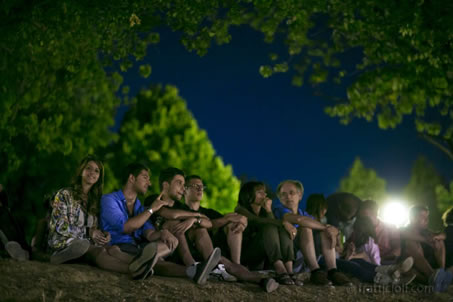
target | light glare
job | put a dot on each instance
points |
(395, 212)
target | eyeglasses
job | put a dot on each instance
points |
(196, 187)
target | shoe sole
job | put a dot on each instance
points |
(75, 250)
(406, 265)
(16, 251)
(271, 285)
(212, 262)
(148, 253)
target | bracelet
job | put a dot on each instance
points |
(150, 210)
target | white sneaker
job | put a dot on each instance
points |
(219, 273)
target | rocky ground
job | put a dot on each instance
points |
(38, 281)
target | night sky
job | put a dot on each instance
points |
(270, 130)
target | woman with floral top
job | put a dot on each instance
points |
(73, 225)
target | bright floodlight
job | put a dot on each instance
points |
(395, 212)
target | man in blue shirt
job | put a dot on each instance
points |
(301, 226)
(124, 217)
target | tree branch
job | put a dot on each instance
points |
(432, 140)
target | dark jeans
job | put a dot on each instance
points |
(270, 244)
(358, 268)
(132, 249)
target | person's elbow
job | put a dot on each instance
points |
(128, 228)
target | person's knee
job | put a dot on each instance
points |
(439, 245)
(231, 229)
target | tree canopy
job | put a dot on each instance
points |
(61, 64)
(422, 189)
(159, 129)
(364, 183)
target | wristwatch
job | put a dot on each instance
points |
(199, 220)
(150, 210)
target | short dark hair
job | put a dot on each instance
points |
(447, 217)
(369, 205)
(416, 210)
(363, 230)
(316, 203)
(193, 176)
(247, 193)
(134, 169)
(168, 174)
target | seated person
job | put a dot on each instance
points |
(73, 225)
(387, 236)
(364, 260)
(342, 212)
(190, 223)
(12, 237)
(427, 249)
(302, 225)
(226, 230)
(135, 239)
(265, 240)
(447, 218)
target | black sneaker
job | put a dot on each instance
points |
(146, 255)
(204, 268)
(319, 277)
(144, 272)
(338, 278)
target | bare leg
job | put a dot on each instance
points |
(240, 271)
(421, 265)
(169, 269)
(328, 252)
(307, 246)
(162, 252)
(102, 259)
(280, 267)
(183, 246)
(202, 240)
(234, 241)
(439, 252)
(183, 250)
(117, 253)
(289, 267)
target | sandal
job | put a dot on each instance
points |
(295, 280)
(284, 279)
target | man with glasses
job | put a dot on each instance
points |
(302, 226)
(190, 222)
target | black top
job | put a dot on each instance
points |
(158, 220)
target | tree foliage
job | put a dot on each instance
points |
(444, 196)
(363, 182)
(422, 189)
(61, 64)
(159, 128)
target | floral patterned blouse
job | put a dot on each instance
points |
(69, 220)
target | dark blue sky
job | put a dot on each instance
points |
(271, 130)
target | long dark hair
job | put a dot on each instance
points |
(316, 203)
(247, 193)
(363, 230)
(95, 193)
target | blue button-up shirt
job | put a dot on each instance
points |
(114, 215)
(280, 210)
